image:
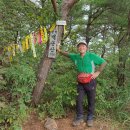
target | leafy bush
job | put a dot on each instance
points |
(60, 91)
(11, 115)
(2, 80)
(21, 80)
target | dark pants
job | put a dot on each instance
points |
(88, 89)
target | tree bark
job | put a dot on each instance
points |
(120, 71)
(123, 55)
(46, 62)
(54, 5)
(44, 68)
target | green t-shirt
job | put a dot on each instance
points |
(87, 63)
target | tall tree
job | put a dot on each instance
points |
(47, 62)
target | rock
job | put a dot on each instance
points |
(50, 124)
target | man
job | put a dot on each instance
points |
(85, 62)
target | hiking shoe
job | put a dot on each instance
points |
(77, 122)
(89, 123)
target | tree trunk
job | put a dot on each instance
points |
(44, 68)
(46, 62)
(123, 55)
(120, 70)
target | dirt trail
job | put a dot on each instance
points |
(33, 123)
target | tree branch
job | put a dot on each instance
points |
(54, 5)
(66, 7)
(70, 28)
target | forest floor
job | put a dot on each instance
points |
(34, 123)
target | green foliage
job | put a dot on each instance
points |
(23, 16)
(21, 79)
(60, 90)
(112, 100)
(97, 2)
(2, 73)
(56, 109)
(8, 115)
(2, 80)
(20, 76)
(12, 116)
(27, 58)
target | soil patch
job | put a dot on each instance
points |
(33, 123)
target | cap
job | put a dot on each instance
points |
(82, 43)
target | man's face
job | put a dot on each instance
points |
(82, 48)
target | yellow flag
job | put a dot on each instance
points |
(45, 36)
(16, 47)
(13, 49)
(23, 45)
(52, 27)
(33, 46)
(65, 29)
(27, 42)
(9, 53)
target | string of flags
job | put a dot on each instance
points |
(29, 42)
(39, 37)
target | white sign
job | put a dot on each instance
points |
(60, 22)
(52, 44)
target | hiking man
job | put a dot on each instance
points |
(85, 62)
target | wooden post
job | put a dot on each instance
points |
(52, 43)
